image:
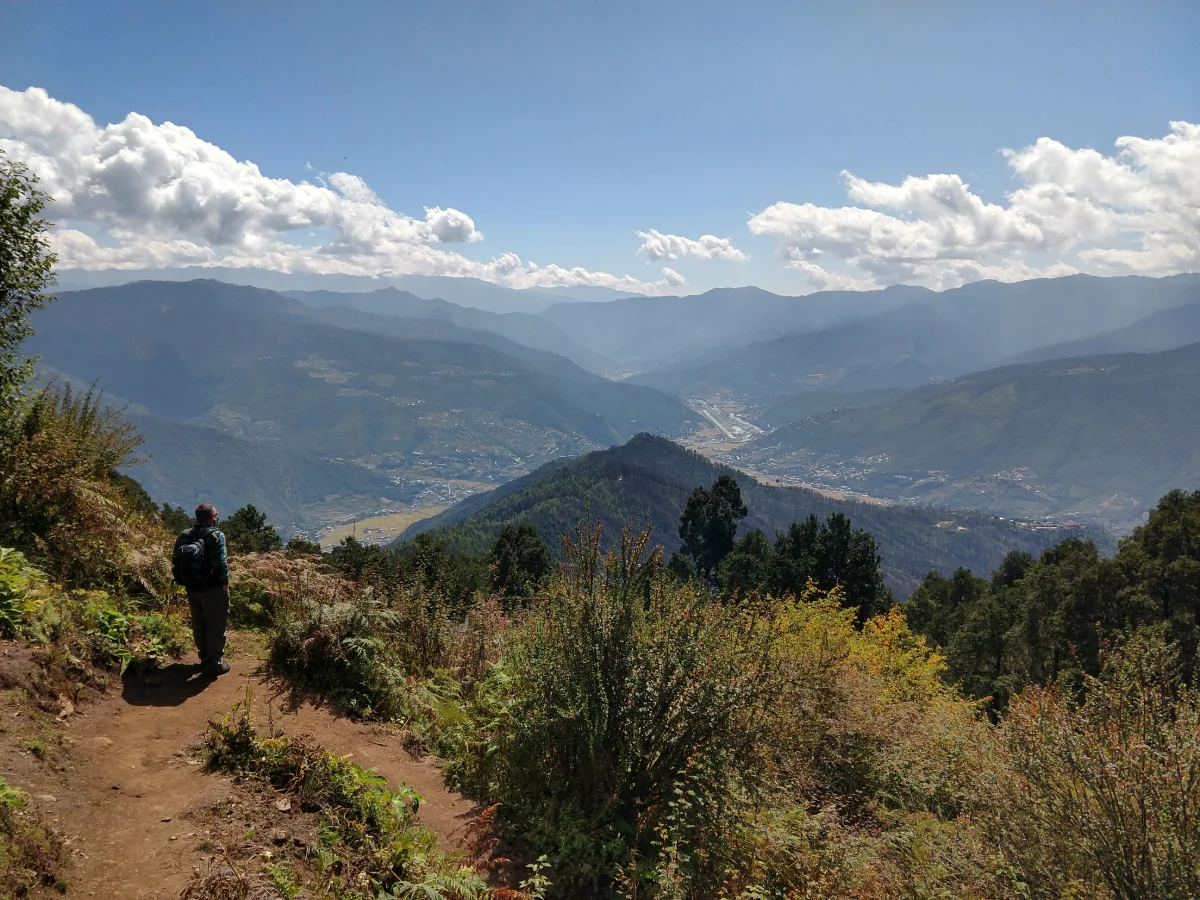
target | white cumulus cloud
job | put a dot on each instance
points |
(1135, 211)
(657, 245)
(135, 194)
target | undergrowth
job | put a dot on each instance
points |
(95, 626)
(373, 847)
(30, 853)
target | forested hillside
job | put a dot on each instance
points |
(1101, 436)
(649, 479)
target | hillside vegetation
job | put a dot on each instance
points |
(186, 462)
(1102, 437)
(650, 479)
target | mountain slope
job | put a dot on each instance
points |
(522, 328)
(935, 336)
(249, 362)
(187, 463)
(902, 347)
(803, 404)
(435, 329)
(642, 332)
(653, 477)
(1163, 330)
(1101, 436)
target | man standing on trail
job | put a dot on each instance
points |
(200, 565)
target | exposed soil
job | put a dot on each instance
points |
(122, 781)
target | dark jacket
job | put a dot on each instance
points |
(214, 544)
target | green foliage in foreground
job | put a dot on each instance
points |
(520, 560)
(379, 845)
(648, 739)
(709, 523)
(1048, 621)
(26, 272)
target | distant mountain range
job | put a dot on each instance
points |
(1163, 330)
(265, 369)
(931, 337)
(644, 333)
(521, 329)
(416, 387)
(649, 479)
(1100, 436)
(463, 291)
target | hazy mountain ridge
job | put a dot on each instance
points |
(520, 328)
(1163, 330)
(935, 336)
(650, 478)
(642, 332)
(464, 291)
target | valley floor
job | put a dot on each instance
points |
(121, 780)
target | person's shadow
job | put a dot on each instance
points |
(169, 686)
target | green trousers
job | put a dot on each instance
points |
(210, 615)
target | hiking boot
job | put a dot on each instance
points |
(217, 669)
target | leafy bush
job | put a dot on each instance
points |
(1101, 796)
(58, 502)
(362, 644)
(632, 723)
(248, 531)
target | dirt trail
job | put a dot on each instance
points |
(133, 776)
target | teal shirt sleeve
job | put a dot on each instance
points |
(220, 566)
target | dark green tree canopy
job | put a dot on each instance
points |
(832, 554)
(709, 523)
(748, 565)
(520, 558)
(26, 270)
(175, 518)
(247, 530)
(1049, 620)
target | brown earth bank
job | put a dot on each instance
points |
(119, 775)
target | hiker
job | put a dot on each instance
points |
(200, 565)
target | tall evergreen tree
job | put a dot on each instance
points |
(832, 554)
(709, 523)
(520, 558)
(247, 530)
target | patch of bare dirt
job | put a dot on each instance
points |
(125, 787)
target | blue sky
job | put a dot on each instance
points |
(562, 129)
